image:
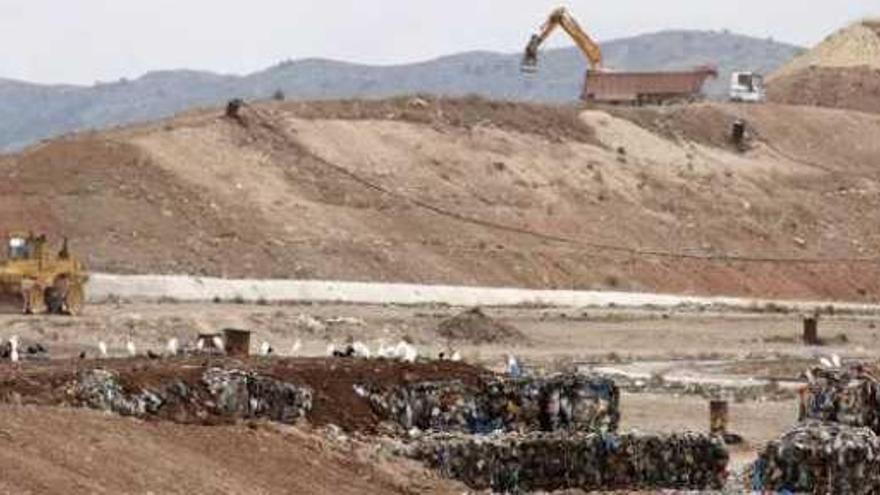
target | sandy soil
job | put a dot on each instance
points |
(567, 334)
(54, 450)
(841, 72)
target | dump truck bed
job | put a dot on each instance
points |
(645, 87)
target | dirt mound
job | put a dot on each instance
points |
(856, 45)
(841, 72)
(475, 327)
(555, 122)
(52, 450)
(856, 88)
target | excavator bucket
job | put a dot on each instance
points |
(529, 62)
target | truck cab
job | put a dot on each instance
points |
(747, 87)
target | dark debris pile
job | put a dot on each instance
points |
(559, 402)
(515, 463)
(817, 457)
(218, 394)
(850, 396)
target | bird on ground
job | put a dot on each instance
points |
(172, 346)
(102, 349)
(200, 344)
(82, 355)
(296, 347)
(266, 349)
(361, 350)
(456, 356)
(835, 360)
(132, 350)
(826, 363)
(218, 343)
(513, 367)
(406, 352)
(385, 351)
(152, 355)
(809, 375)
(36, 349)
(331, 350)
(13, 348)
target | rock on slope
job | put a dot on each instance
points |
(841, 72)
(471, 192)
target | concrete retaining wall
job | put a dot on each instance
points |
(193, 289)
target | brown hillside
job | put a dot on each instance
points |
(470, 192)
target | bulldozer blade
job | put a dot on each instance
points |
(11, 303)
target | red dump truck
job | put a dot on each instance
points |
(639, 88)
(604, 86)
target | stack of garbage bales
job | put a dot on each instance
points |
(559, 402)
(849, 396)
(586, 461)
(819, 457)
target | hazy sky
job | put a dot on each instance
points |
(82, 41)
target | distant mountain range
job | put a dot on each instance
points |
(30, 112)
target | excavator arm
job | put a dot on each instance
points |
(562, 18)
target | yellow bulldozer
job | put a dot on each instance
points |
(34, 280)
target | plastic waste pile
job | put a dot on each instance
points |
(559, 402)
(817, 457)
(512, 463)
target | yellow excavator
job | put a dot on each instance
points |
(562, 18)
(613, 87)
(36, 280)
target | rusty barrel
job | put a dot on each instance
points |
(237, 342)
(811, 330)
(718, 416)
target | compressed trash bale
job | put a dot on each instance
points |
(100, 389)
(819, 457)
(220, 392)
(850, 396)
(559, 402)
(564, 461)
(250, 395)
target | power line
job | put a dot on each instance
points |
(568, 240)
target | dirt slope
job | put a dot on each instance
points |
(470, 192)
(52, 450)
(841, 72)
